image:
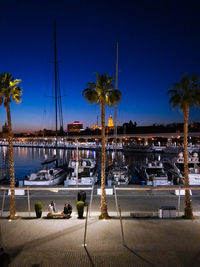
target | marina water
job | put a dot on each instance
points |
(28, 160)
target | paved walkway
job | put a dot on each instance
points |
(59, 242)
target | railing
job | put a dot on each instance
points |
(52, 189)
(179, 188)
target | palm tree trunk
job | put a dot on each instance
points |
(188, 204)
(104, 212)
(11, 164)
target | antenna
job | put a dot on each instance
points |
(55, 77)
(116, 87)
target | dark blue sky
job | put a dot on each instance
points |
(159, 41)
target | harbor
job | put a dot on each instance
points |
(30, 160)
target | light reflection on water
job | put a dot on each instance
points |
(28, 160)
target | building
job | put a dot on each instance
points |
(110, 126)
(74, 127)
(95, 127)
(110, 122)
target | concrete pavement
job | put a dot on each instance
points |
(58, 242)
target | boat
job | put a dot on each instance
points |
(82, 172)
(137, 148)
(176, 167)
(50, 175)
(118, 174)
(153, 173)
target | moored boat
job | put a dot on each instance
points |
(153, 173)
(193, 168)
(82, 172)
(118, 174)
(48, 176)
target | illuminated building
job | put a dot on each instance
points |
(94, 127)
(110, 122)
(76, 126)
(110, 126)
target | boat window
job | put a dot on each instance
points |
(155, 171)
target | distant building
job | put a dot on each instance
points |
(110, 122)
(74, 127)
(110, 126)
(94, 127)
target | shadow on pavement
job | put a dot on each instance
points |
(140, 257)
(49, 238)
(89, 257)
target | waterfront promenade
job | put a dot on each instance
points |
(58, 242)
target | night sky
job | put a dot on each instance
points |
(159, 41)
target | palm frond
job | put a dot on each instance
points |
(186, 92)
(9, 88)
(102, 90)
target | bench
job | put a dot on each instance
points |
(58, 215)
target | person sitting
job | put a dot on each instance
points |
(53, 204)
(67, 209)
(50, 209)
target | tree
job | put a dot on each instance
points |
(185, 95)
(102, 93)
(9, 89)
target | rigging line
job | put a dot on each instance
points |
(60, 105)
(116, 87)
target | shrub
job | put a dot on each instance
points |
(80, 208)
(38, 206)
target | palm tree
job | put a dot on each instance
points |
(185, 95)
(102, 93)
(9, 89)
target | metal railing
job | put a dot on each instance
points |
(53, 189)
(179, 188)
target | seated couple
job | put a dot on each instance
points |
(67, 208)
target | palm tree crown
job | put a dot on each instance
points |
(102, 91)
(9, 89)
(186, 92)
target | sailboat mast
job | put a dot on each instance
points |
(116, 87)
(55, 77)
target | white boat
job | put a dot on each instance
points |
(118, 174)
(153, 173)
(48, 176)
(193, 168)
(82, 172)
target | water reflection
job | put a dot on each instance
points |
(27, 159)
